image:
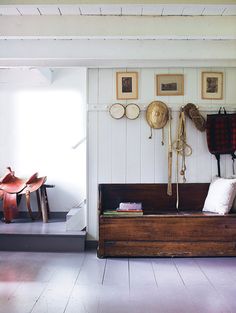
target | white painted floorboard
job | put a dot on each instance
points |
(82, 283)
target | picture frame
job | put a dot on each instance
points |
(212, 85)
(126, 85)
(170, 84)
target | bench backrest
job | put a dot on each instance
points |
(154, 197)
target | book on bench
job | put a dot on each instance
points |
(126, 209)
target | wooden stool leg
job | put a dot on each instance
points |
(43, 205)
(39, 203)
(27, 195)
(46, 200)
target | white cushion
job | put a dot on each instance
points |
(220, 196)
(233, 209)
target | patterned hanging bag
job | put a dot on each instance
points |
(221, 135)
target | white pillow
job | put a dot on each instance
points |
(220, 196)
(233, 209)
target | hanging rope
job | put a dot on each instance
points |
(169, 188)
(182, 150)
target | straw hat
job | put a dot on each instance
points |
(157, 114)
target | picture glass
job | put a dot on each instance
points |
(169, 87)
(126, 84)
(212, 84)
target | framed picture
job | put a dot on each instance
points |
(170, 84)
(212, 85)
(126, 85)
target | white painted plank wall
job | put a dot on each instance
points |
(119, 150)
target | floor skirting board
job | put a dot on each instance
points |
(91, 244)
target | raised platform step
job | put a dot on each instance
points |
(24, 235)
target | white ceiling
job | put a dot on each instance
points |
(198, 36)
(136, 9)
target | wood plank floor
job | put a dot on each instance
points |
(82, 283)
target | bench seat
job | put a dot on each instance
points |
(162, 230)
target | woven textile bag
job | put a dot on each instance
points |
(221, 135)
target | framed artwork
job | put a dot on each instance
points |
(126, 85)
(170, 84)
(212, 85)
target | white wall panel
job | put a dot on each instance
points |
(229, 166)
(222, 165)
(121, 149)
(161, 161)
(147, 154)
(93, 86)
(230, 86)
(133, 169)
(105, 86)
(104, 149)
(147, 85)
(176, 99)
(92, 175)
(190, 80)
(118, 151)
(191, 161)
(204, 160)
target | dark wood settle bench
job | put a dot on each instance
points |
(162, 231)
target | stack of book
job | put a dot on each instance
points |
(126, 209)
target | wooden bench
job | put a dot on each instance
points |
(162, 230)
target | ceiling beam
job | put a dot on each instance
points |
(112, 27)
(117, 53)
